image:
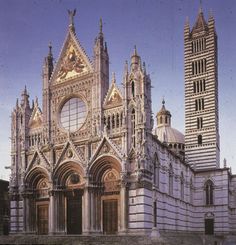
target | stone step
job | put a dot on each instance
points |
(79, 240)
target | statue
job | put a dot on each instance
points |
(71, 15)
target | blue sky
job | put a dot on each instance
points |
(154, 26)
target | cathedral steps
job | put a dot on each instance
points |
(79, 240)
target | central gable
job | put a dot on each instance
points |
(72, 62)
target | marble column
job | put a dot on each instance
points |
(123, 208)
(86, 211)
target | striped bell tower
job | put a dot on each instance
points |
(201, 94)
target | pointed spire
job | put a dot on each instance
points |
(36, 101)
(135, 60)
(50, 49)
(135, 51)
(25, 97)
(113, 80)
(200, 24)
(225, 163)
(100, 25)
(17, 103)
(71, 14)
(187, 22)
(200, 7)
(144, 67)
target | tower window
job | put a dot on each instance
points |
(113, 121)
(198, 45)
(199, 104)
(198, 67)
(161, 120)
(117, 120)
(182, 186)
(165, 119)
(133, 127)
(171, 180)
(199, 123)
(108, 122)
(209, 192)
(133, 89)
(199, 139)
(199, 86)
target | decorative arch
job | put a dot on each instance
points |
(69, 174)
(103, 165)
(36, 175)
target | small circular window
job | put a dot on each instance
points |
(73, 114)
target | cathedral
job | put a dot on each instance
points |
(89, 160)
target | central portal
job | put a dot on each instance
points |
(74, 213)
(110, 216)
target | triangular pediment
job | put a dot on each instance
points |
(72, 61)
(38, 159)
(36, 117)
(70, 153)
(106, 147)
(113, 98)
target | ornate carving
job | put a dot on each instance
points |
(111, 183)
(71, 63)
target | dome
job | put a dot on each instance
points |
(169, 135)
(165, 133)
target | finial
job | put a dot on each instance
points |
(36, 101)
(135, 50)
(211, 13)
(163, 100)
(144, 67)
(225, 163)
(200, 8)
(187, 20)
(113, 80)
(100, 25)
(71, 16)
(105, 46)
(50, 48)
(25, 90)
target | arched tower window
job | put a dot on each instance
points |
(209, 192)
(117, 120)
(191, 191)
(171, 174)
(199, 139)
(161, 120)
(156, 171)
(182, 186)
(133, 89)
(133, 127)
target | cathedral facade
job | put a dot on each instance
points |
(91, 162)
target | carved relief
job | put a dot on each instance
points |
(72, 64)
(111, 183)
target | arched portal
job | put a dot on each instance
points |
(69, 181)
(36, 200)
(105, 176)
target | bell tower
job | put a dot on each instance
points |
(202, 144)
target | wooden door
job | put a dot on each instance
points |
(74, 214)
(42, 219)
(209, 226)
(110, 216)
